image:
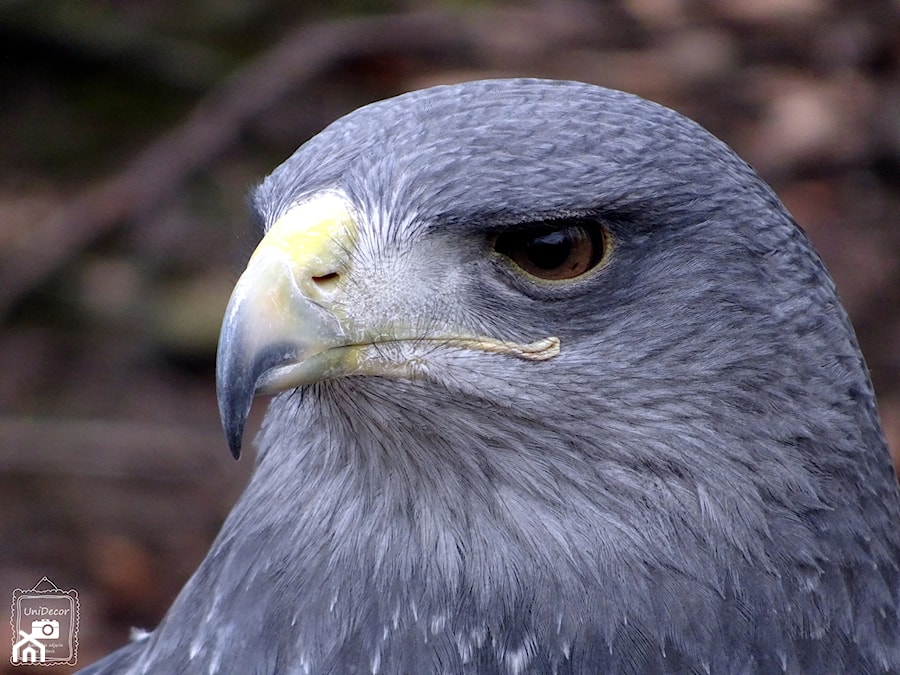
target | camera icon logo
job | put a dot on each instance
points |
(46, 629)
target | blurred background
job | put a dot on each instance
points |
(132, 130)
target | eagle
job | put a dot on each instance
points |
(559, 386)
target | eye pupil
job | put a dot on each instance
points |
(548, 251)
(554, 253)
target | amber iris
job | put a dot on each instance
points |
(553, 253)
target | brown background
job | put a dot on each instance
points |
(130, 132)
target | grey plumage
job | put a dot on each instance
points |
(698, 483)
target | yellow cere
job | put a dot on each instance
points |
(314, 235)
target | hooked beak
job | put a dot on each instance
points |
(281, 329)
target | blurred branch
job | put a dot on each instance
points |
(216, 124)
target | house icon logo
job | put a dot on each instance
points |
(45, 626)
(30, 649)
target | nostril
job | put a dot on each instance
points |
(326, 279)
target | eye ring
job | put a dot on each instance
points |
(555, 251)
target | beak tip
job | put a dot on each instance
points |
(234, 444)
(233, 411)
(235, 398)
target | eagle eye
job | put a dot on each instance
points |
(554, 252)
